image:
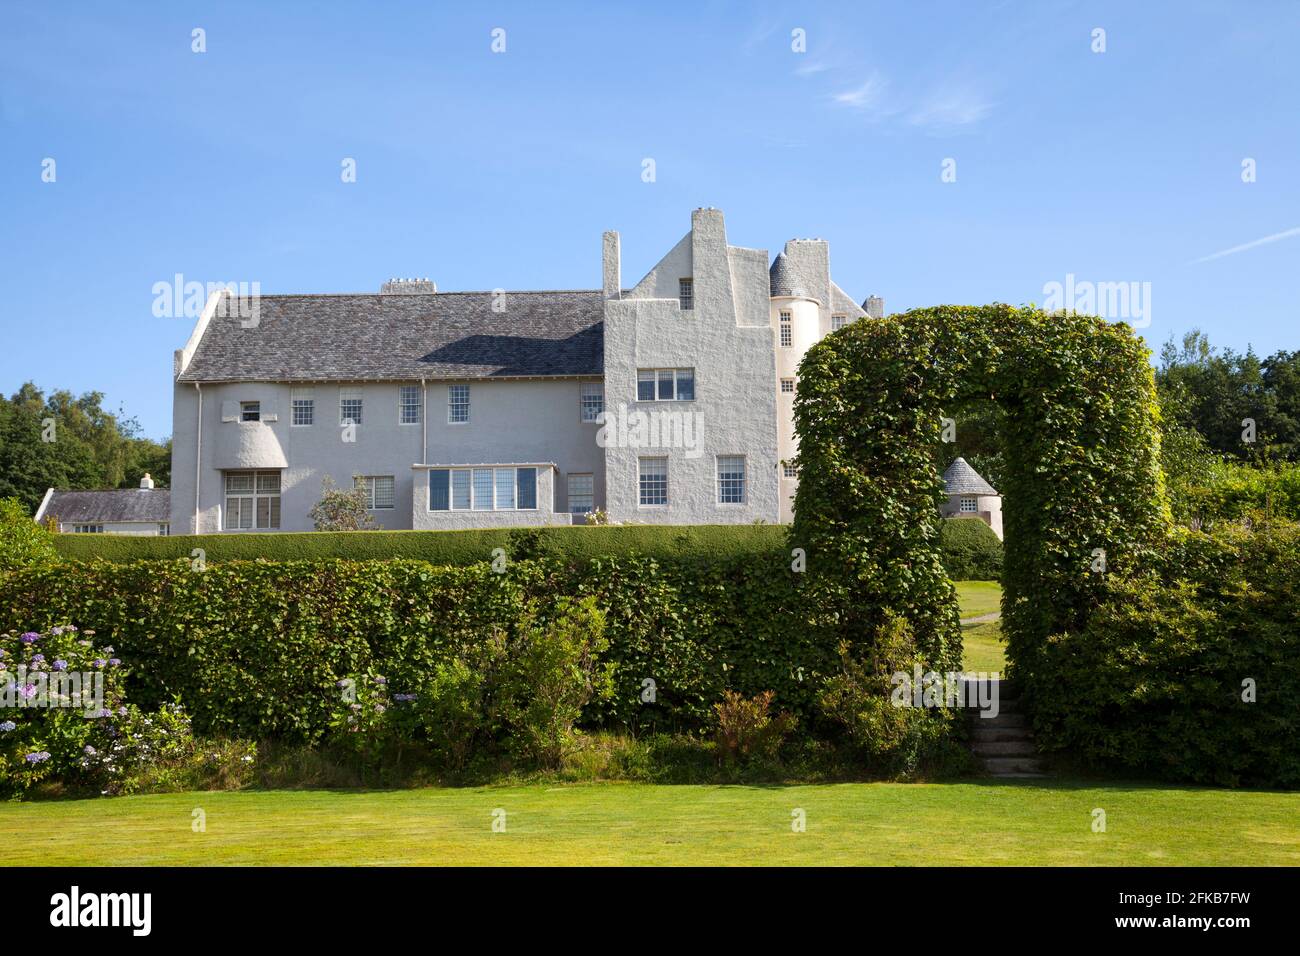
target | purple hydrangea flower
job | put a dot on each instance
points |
(100, 662)
(90, 751)
(405, 698)
(113, 662)
(381, 680)
(56, 630)
(39, 757)
(7, 726)
(38, 658)
(60, 665)
(28, 691)
(31, 637)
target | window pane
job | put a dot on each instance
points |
(593, 400)
(245, 513)
(409, 413)
(527, 485)
(350, 411)
(460, 490)
(382, 492)
(482, 489)
(581, 498)
(645, 386)
(457, 403)
(439, 490)
(505, 489)
(240, 481)
(251, 411)
(665, 385)
(268, 482)
(731, 480)
(304, 411)
(685, 384)
(232, 514)
(654, 481)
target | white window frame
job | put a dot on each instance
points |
(785, 320)
(727, 490)
(370, 484)
(642, 475)
(686, 294)
(253, 498)
(253, 409)
(674, 379)
(87, 529)
(788, 470)
(968, 505)
(454, 402)
(404, 405)
(587, 480)
(302, 400)
(591, 401)
(474, 501)
(838, 321)
(787, 386)
(347, 395)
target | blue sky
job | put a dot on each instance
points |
(484, 170)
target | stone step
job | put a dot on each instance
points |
(1004, 765)
(1005, 748)
(1002, 721)
(981, 732)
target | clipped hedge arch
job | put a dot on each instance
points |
(1081, 444)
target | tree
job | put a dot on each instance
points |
(341, 510)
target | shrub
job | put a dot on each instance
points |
(892, 739)
(1159, 679)
(970, 550)
(341, 509)
(553, 670)
(22, 540)
(747, 729)
(65, 716)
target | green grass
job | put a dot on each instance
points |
(1030, 823)
(982, 647)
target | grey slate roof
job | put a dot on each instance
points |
(962, 479)
(119, 504)
(393, 337)
(841, 302)
(785, 279)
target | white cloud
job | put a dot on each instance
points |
(1277, 236)
(950, 108)
(868, 96)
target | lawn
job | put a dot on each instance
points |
(982, 647)
(980, 822)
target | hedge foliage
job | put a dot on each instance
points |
(1156, 680)
(576, 543)
(1082, 478)
(970, 551)
(256, 648)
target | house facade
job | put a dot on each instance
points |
(669, 402)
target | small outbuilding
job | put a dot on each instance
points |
(970, 496)
(141, 511)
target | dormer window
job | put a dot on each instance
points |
(686, 294)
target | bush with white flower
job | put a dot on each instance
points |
(64, 716)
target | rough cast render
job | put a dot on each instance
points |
(715, 321)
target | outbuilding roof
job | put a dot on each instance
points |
(103, 507)
(962, 479)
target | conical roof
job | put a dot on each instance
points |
(962, 479)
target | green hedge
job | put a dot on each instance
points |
(1154, 682)
(969, 549)
(256, 648)
(439, 547)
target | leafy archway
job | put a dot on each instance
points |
(1082, 489)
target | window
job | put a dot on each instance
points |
(969, 505)
(581, 494)
(379, 491)
(838, 322)
(87, 529)
(593, 400)
(786, 335)
(250, 411)
(408, 405)
(303, 401)
(457, 404)
(349, 406)
(164, 530)
(482, 489)
(788, 470)
(654, 481)
(731, 479)
(787, 386)
(686, 294)
(252, 500)
(665, 385)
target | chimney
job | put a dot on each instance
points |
(146, 483)
(423, 286)
(874, 306)
(611, 269)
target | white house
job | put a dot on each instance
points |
(970, 496)
(669, 402)
(141, 511)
